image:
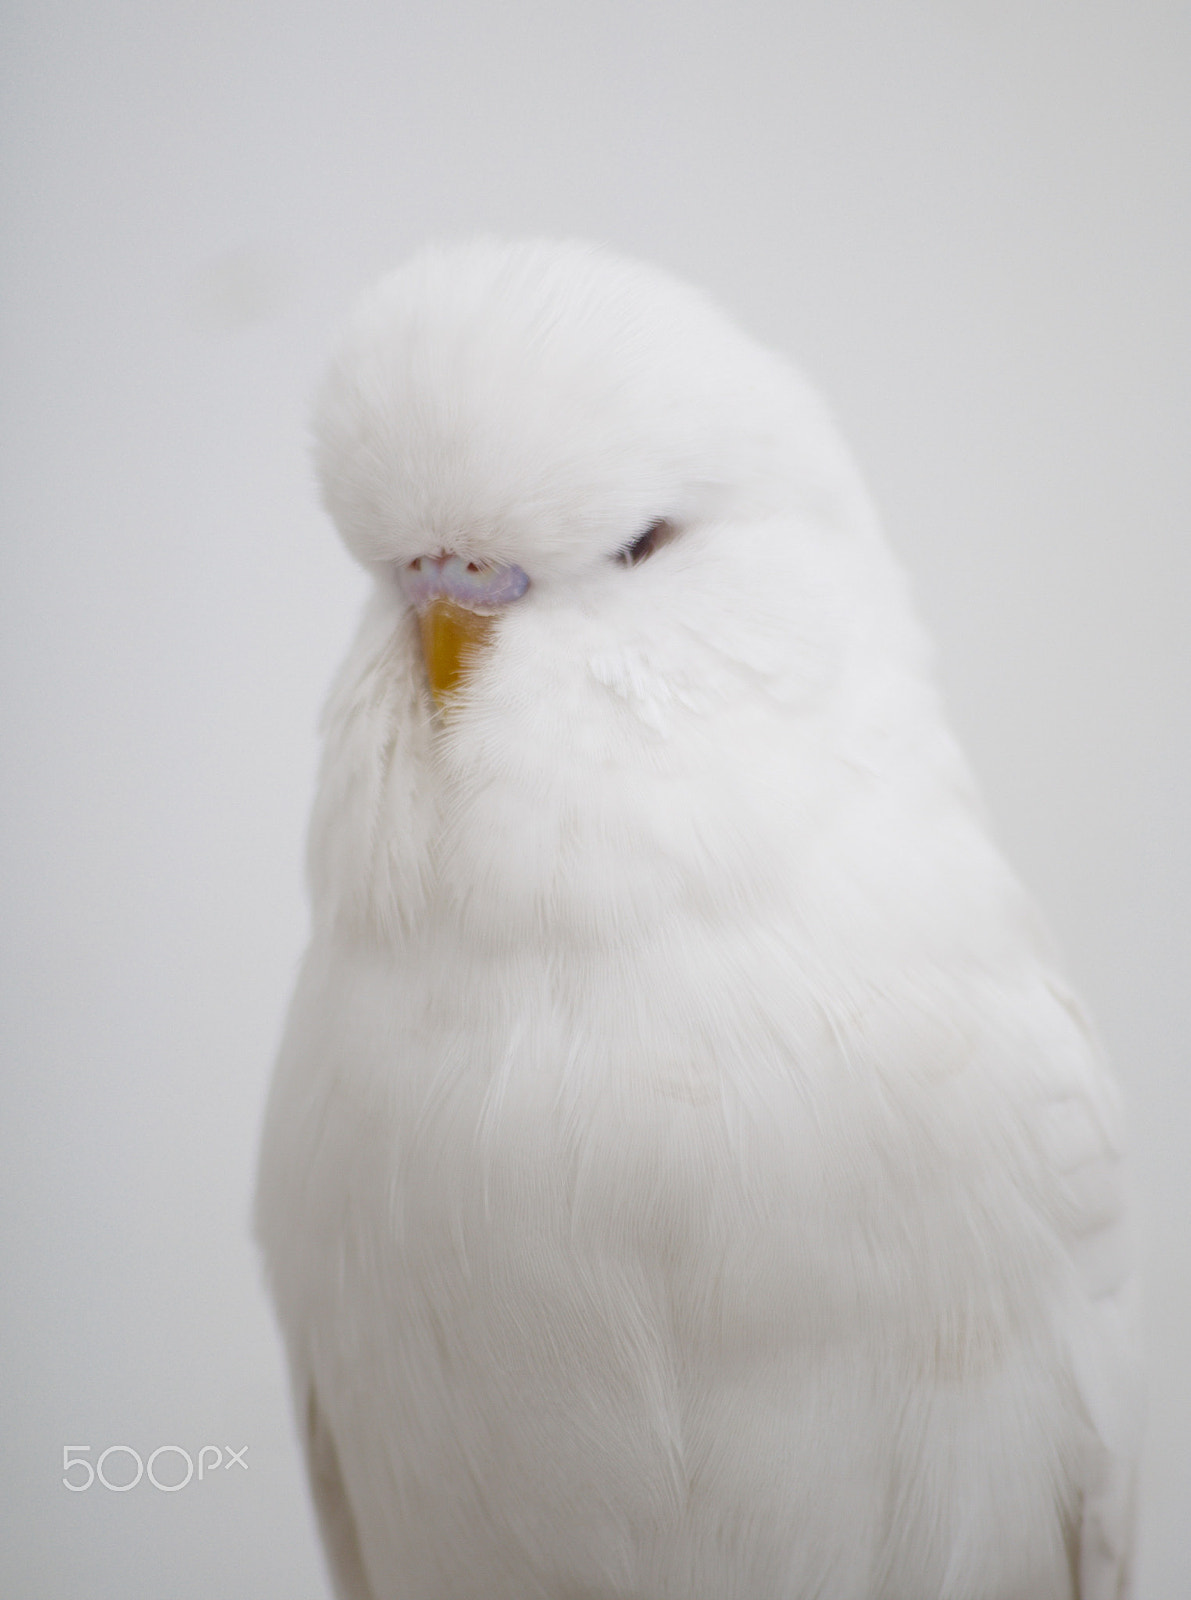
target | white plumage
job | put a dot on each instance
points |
(685, 1176)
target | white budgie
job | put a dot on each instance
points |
(685, 1176)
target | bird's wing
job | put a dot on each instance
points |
(336, 1522)
(1078, 1132)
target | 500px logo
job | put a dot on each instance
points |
(166, 1477)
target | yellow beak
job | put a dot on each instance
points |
(451, 637)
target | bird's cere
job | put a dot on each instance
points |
(457, 602)
(481, 586)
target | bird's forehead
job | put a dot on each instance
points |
(457, 431)
(539, 400)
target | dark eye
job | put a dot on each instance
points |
(642, 547)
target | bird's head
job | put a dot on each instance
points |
(623, 565)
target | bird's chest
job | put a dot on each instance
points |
(579, 1289)
(508, 1179)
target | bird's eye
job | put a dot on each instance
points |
(642, 547)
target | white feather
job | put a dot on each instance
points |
(684, 1175)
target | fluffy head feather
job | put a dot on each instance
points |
(549, 401)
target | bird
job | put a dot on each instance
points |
(686, 1171)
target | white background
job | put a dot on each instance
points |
(969, 222)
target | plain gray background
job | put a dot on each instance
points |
(970, 224)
